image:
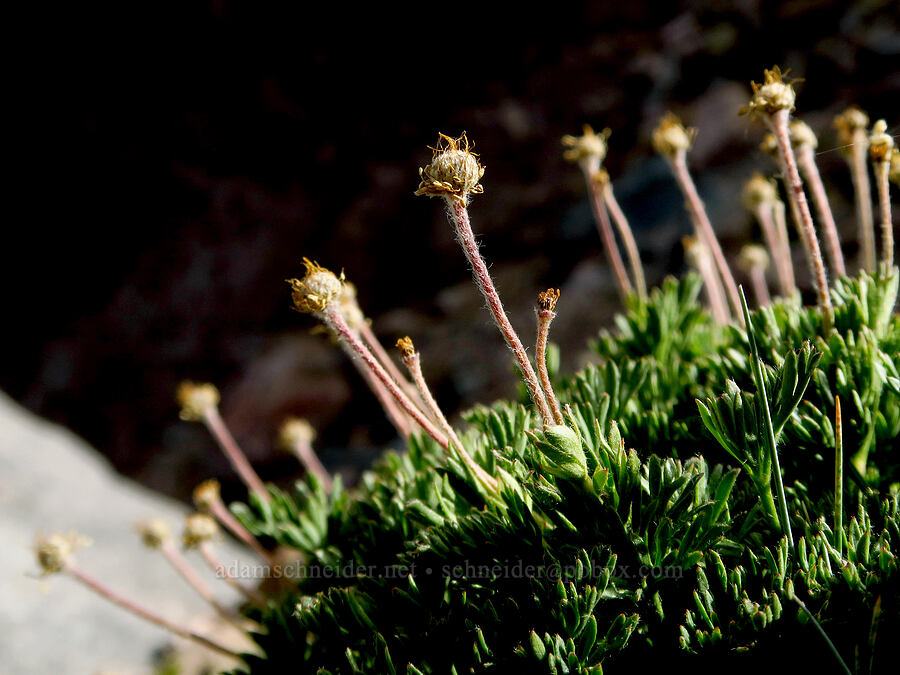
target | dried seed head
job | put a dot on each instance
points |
(769, 145)
(195, 399)
(600, 177)
(407, 348)
(695, 252)
(154, 532)
(848, 123)
(546, 301)
(207, 494)
(671, 136)
(198, 528)
(454, 170)
(880, 143)
(54, 552)
(759, 190)
(316, 289)
(587, 150)
(894, 171)
(350, 308)
(295, 431)
(802, 135)
(753, 256)
(774, 94)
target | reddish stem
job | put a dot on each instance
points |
(778, 122)
(460, 219)
(705, 231)
(145, 614)
(631, 249)
(807, 161)
(220, 432)
(601, 218)
(336, 323)
(778, 247)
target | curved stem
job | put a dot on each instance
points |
(863, 192)
(705, 230)
(601, 217)
(239, 462)
(631, 249)
(221, 570)
(459, 216)
(807, 160)
(544, 319)
(221, 513)
(882, 169)
(779, 249)
(145, 614)
(778, 122)
(336, 323)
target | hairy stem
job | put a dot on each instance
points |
(882, 169)
(760, 287)
(778, 247)
(221, 513)
(544, 319)
(235, 455)
(335, 322)
(863, 193)
(704, 228)
(413, 363)
(778, 122)
(398, 418)
(221, 570)
(807, 160)
(145, 614)
(374, 344)
(459, 216)
(631, 249)
(181, 565)
(601, 217)
(311, 462)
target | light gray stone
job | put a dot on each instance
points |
(51, 481)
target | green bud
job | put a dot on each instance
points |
(562, 453)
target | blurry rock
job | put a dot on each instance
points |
(52, 481)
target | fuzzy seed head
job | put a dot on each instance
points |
(774, 94)
(671, 136)
(195, 399)
(769, 145)
(753, 256)
(802, 135)
(759, 190)
(198, 528)
(154, 532)
(850, 121)
(587, 150)
(407, 348)
(208, 493)
(350, 308)
(880, 143)
(318, 287)
(546, 301)
(695, 252)
(295, 431)
(454, 170)
(55, 551)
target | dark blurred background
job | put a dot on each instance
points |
(185, 157)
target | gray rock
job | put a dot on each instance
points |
(51, 481)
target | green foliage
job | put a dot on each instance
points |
(656, 525)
